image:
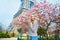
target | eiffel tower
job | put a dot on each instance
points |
(25, 5)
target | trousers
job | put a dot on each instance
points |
(33, 37)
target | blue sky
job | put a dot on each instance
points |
(9, 7)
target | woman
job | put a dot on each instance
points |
(32, 29)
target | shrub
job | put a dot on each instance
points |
(4, 35)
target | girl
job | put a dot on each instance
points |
(32, 29)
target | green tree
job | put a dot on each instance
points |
(19, 30)
(41, 31)
(0, 28)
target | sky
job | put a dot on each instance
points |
(9, 7)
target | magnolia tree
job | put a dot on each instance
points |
(44, 12)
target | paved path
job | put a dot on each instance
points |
(8, 38)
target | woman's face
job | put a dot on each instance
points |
(32, 18)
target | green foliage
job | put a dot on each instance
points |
(12, 34)
(46, 38)
(19, 30)
(4, 35)
(0, 28)
(41, 31)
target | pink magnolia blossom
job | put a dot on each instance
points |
(44, 12)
